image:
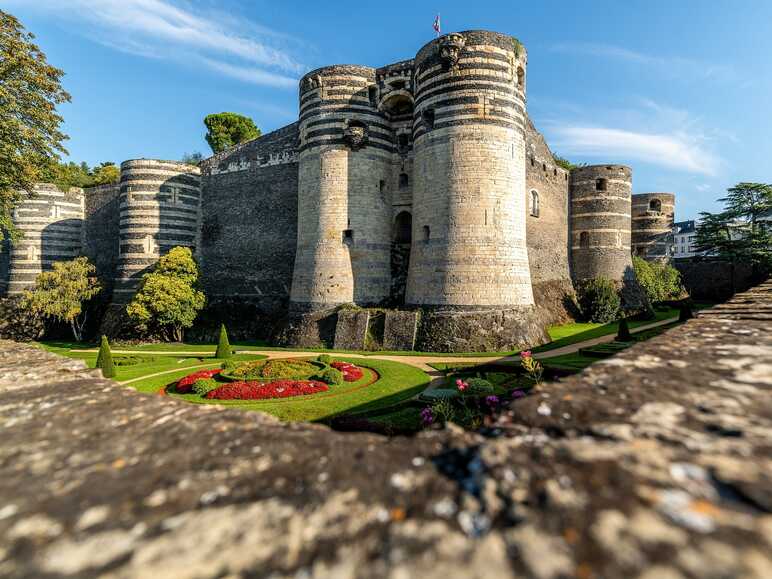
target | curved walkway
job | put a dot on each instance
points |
(420, 362)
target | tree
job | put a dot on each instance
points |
(66, 175)
(168, 299)
(30, 90)
(224, 346)
(105, 174)
(63, 292)
(623, 333)
(738, 233)
(104, 359)
(660, 280)
(227, 129)
(599, 300)
(192, 158)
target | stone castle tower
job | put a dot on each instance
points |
(419, 191)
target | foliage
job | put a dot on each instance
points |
(168, 299)
(739, 233)
(599, 300)
(30, 90)
(478, 387)
(203, 386)
(224, 346)
(532, 368)
(325, 359)
(351, 372)
(659, 279)
(66, 175)
(564, 163)
(185, 384)
(274, 370)
(104, 359)
(62, 293)
(623, 334)
(225, 130)
(261, 391)
(332, 376)
(192, 158)
(442, 411)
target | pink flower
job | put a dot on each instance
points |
(526, 354)
(461, 384)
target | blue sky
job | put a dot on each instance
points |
(678, 89)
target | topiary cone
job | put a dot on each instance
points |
(223, 347)
(685, 311)
(623, 334)
(105, 359)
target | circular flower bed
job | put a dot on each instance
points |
(351, 373)
(185, 385)
(262, 391)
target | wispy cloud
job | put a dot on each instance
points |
(175, 30)
(676, 150)
(672, 66)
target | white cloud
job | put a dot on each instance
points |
(674, 150)
(175, 30)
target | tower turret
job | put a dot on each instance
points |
(652, 225)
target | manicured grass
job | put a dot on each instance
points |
(569, 362)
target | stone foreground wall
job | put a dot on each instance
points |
(652, 464)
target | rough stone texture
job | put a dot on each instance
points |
(351, 329)
(714, 280)
(101, 229)
(399, 332)
(18, 323)
(652, 225)
(652, 464)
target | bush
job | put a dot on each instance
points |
(660, 280)
(479, 387)
(105, 359)
(185, 385)
(599, 300)
(205, 385)
(223, 347)
(325, 359)
(331, 376)
(228, 366)
(623, 334)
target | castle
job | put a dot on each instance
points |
(411, 206)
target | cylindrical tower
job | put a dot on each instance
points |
(469, 229)
(160, 208)
(600, 222)
(653, 219)
(50, 221)
(344, 214)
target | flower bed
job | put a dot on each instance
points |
(185, 385)
(351, 373)
(262, 390)
(273, 370)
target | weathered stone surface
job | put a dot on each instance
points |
(351, 329)
(655, 463)
(399, 331)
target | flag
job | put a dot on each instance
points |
(437, 25)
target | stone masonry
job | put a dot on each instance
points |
(653, 464)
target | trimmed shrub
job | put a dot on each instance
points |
(479, 387)
(325, 359)
(185, 385)
(223, 346)
(228, 366)
(685, 311)
(331, 376)
(205, 385)
(104, 359)
(599, 300)
(623, 334)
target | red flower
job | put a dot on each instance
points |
(185, 384)
(262, 390)
(351, 373)
(526, 354)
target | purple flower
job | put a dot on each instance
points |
(427, 416)
(491, 400)
(518, 394)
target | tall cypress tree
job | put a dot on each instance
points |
(223, 347)
(623, 334)
(105, 359)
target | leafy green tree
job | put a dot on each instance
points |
(104, 359)
(660, 280)
(740, 232)
(30, 90)
(104, 174)
(564, 163)
(224, 346)
(66, 175)
(192, 158)
(63, 292)
(227, 129)
(168, 299)
(599, 300)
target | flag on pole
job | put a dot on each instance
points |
(437, 25)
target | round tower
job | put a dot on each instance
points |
(344, 213)
(652, 225)
(160, 208)
(600, 222)
(50, 221)
(469, 196)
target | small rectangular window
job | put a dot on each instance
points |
(348, 235)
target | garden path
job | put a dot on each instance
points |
(420, 362)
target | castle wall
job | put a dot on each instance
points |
(344, 213)
(101, 230)
(469, 228)
(248, 232)
(547, 229)
(50, 222)
(160, 208)
(652, 225)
